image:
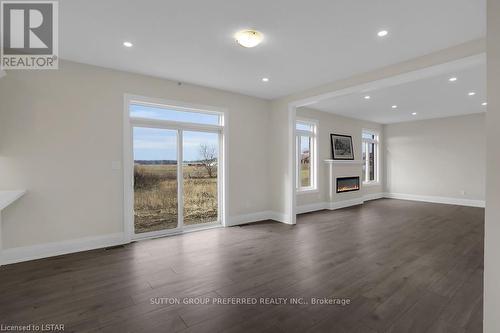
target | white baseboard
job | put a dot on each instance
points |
(26, 253)
(373, 196)
(311, 207)
(280, 217)
(248, 218)
(433, 199)
(256, 217)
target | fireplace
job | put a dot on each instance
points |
(347, 184)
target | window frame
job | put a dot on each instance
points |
(180, 107)
(222, 171)
(376, 163)
(313, 135)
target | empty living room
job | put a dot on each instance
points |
(266, 166)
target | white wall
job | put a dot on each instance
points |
(438, 157)
(61, 130)
(331, 123)
(492, 227)
(280, 175)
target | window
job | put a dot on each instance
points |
(173, 113)
(370, 156)
(306, 132)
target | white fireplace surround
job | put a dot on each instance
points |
(339, 169)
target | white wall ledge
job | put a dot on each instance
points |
(343, 162)
(8, 197)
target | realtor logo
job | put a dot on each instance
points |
(29, 32)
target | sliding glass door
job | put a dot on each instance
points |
(200, 170)
(177, 167)
(156, 203)
(170, 194)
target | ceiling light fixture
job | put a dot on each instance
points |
(472, 93)
(248, 38)
(265, 79)
(414, 114)
(382, 33)
(394, 106)
(128, 44)
(484, 104)
(367, 97)
(452, 79)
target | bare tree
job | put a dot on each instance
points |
(209, 158)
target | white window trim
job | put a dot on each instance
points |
(314, 156)
(377, 157)
(128, 159)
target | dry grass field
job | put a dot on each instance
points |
(305, 170)
(155, 199)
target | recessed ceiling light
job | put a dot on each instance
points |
(414, 114)
(394, 106)
(382, 33)
(484, 104)
(452, 79)
(471, 93)
(248, 38)
(367, 97)
(128, 44)
(265, 79)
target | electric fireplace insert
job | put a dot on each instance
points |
(347, 184)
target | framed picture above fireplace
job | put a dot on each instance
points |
(342, 147)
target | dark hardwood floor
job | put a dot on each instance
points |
(404, 266)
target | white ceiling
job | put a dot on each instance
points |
(432, 97)
(307, 43)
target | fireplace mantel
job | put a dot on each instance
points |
(340, 162)
(340, 169)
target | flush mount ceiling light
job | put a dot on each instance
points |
(452, 79)
(394, 106)
(367, 97)
(382, 33)
(471, 93)
(128, 44)
(248, 38)
(484, 104)
(414, 114)
(265, 79)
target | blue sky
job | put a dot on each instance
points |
(161, 144)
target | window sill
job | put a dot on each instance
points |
(309, 191)
(371, 184)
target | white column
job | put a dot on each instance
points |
(492, 223)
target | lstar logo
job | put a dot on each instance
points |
(29, 35)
